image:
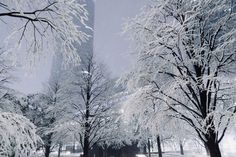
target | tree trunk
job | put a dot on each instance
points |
(159, 146)
(105, 151)
(181, 147)
(86, 146)
(73, 148)
(48, 144)
(211, 143)
(59, 150)
(104, 154)
(47, 150)
(87, 115)
(213, 148)
(149, 148)
(144, 149)
(211, 138)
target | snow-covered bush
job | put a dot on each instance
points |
(18, 135)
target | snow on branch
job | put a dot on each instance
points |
(38, 25)
(186, 51)
(18, 135)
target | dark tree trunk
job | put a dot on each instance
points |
(181, 147)
(144, 149)
(48, 144)
(87, 125)
(47, 150)
(213, 148)
(104, 154)
(149, 148)
(211, 143)
(159, 146)
(59, 150)
(86, 147)
(87, 116)
(73, 147)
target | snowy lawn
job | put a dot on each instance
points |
(154, 155)
(190, 155)
(64, 154)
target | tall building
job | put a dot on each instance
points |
(84, 49)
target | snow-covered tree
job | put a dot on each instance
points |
(90, 89)
(151, 120)
(120, 132)
(46, 110)
(18, 135)
(187, 57)
(37, 25)
(37, 110)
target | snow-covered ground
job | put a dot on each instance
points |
(64, 154)
(186, 155)
(227, 146)
(154, 155)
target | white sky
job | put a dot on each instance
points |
(109, 46)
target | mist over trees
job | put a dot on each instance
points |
(182, 87)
